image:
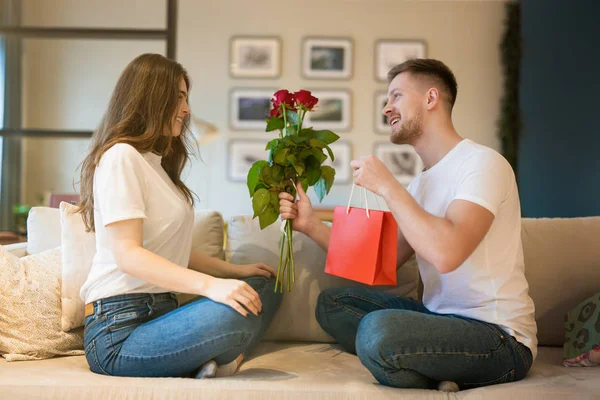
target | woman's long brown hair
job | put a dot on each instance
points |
(141, 113)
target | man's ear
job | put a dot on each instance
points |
(433, 97)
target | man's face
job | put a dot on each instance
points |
(404, 109)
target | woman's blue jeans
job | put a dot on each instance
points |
(405, 345)
(148, 335)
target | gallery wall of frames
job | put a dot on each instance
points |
(321, 58)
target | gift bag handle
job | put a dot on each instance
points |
(365, 197)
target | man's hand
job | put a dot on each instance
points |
(372, 174)
(250, 270)
(301, 212)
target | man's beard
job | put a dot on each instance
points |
(409, 131)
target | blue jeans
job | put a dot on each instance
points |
(148, 335)
(405, 345)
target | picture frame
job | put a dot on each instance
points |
(255, 57)
(380, 121)
(327, 58)
(401, 159)
(389, 53)
(333, 111)
(249, 108)
(241, 154)
(342, 151)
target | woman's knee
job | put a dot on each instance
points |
(325, 304)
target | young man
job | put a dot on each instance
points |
(462, 218)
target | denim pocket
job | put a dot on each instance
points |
(128, 316)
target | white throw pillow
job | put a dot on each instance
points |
(295, 320)
(78, 250)
(30, 311)
(43, 229)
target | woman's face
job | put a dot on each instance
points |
(182, 108)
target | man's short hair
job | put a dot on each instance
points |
(440, 75)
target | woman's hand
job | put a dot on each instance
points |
(236, 294)
(250, 270)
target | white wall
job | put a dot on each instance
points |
(68, 85)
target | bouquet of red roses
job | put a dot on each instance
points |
(296, 155)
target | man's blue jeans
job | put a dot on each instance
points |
(148, 335)
(405, 345)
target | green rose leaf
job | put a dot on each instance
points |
(317, 143)
(260, 201)
(271, 144)
(254, 176)
(313, 173)
(298, 165)
(326, 136)
(281, 156)
(323, 186)
(330, 153)
(274, 124)
(319, 155)
(271, 213)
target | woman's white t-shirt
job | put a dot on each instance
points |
(490, 285)
(130, 185)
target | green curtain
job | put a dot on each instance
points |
(10, 52)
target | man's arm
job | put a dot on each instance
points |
(445, 242)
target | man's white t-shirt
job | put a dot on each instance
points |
(130, 185)
(490, 285)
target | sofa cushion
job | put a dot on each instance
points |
(295, 320)
(78, 250)
(43, 229)
(30, 308)
(562, 266)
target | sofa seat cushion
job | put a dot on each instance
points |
(281, 370)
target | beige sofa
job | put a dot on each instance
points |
(297, 360)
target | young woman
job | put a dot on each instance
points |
(142, 213)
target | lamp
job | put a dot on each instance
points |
(204, 132)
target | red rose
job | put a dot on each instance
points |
(306, 99)
(284, 97)
(276, 112)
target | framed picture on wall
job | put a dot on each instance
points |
(249, 108)
(401, 159)
(389, 53)
(332, 111)
(342, 151)
(327, 58)
(241, 154)
(255, 57)
(381, 124)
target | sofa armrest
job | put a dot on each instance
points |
(18, 249)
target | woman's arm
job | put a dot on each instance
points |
(222, 269)
(125, 239)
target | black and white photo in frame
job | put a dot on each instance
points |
(389, 53)
(241, 154)
(327, 58)
(249, 108)
(381, 123)
(401, 159)
(331, 112)
(255, 57)
(342, 151)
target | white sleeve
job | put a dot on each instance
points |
(119, 185)
(486, 180)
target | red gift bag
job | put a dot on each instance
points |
(363, 245)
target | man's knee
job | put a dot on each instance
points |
(325, 304)
(371, 337)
